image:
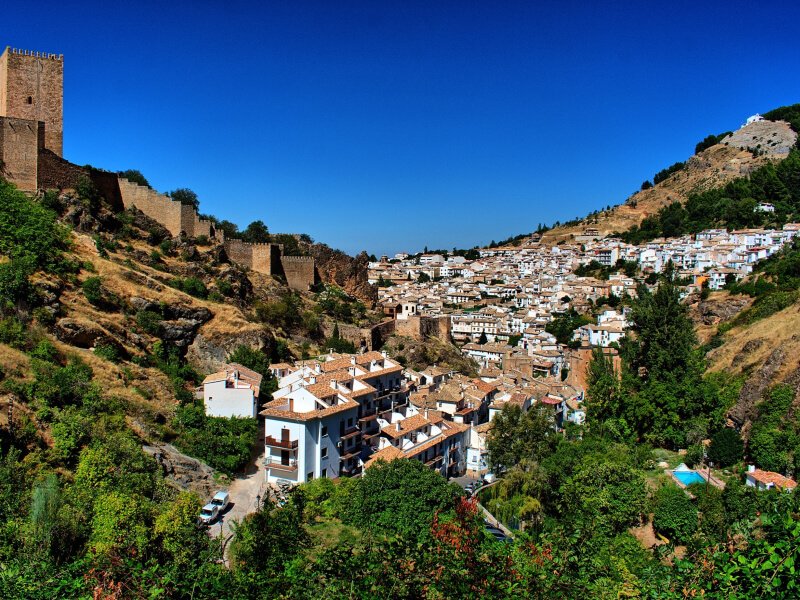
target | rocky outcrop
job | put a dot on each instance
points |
(182, 471)
(180, 323)
(209, 353)
(718, 310)
(756, 385)
(350, 274)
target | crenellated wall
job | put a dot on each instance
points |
(300, 272)
(176, 217)
(260, 258)
(32, 88)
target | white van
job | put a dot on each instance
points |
(221, 501)
(209, 513)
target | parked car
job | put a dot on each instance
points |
(489, 478)
(209, 513)
(221, 500)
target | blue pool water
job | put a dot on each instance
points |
(688, 477)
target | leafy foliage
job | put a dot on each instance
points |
(674, 515)
(223, 443)
(726, 448)
(565, 324)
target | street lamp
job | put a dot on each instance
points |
(258, 502)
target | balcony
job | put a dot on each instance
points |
(369, 417)
(351, 454)
(277, 465)
(433, 461)
(350, 433)
(283, 444)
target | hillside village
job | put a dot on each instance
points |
(149, 360)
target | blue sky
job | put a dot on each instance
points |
(388, 126)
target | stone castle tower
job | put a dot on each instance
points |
(31, 113)
(32, 88)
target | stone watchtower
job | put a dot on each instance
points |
(32, 89)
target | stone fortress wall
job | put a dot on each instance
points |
(31, 148)
(19, 152)
(177, 218)
(300, 271)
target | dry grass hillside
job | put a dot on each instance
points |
(709, 169)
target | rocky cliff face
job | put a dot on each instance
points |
(348, 273)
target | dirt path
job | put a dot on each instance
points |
(244, 492)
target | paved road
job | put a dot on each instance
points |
(243, 492)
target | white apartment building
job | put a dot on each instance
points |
(232, 392)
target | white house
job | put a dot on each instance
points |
(232, 392)
(768, 480)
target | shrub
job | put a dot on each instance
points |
(224, 287)
(45, 350)
(166, 247)
(12, 332)
(192, 286)
(674, 515)
(93, 290)
(726, 448)
(108, 352)
(149, 321)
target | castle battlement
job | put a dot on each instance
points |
(35, 54)
(302, 259)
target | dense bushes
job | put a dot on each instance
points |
(726, 448)
(191, 285)
(223, 443)
(674, 515)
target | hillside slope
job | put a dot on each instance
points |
(770, 141)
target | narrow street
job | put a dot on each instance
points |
(244, 491)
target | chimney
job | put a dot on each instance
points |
(400, 425)
(353, 360)
(317, 368)
(312, 380)
(383, 353)
(334, 384)
(291, 404)
(751, 468)
(426, 413)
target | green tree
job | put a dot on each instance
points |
(256, 233)
(185, 196)
(251, 358)
(518, 436)
(398, 498)
(269, 538)
(483, 339)
(726, 448)
(674, 515)
(120, 523)
(176, 528)
(604, 396)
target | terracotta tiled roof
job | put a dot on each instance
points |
(407, 425)
(388, 454)
(778, 480)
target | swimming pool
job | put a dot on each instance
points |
(688, 477)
